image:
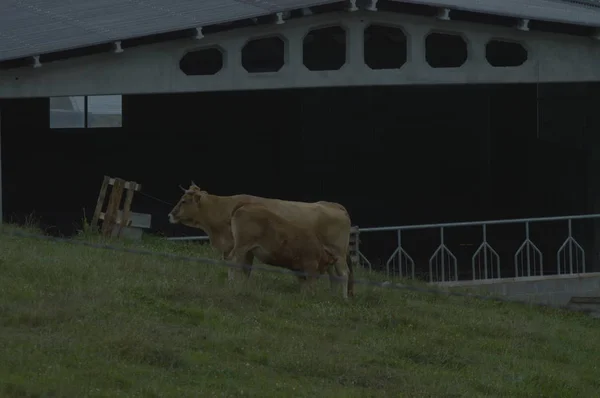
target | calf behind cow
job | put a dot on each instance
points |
(327, 222)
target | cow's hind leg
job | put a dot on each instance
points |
(342, 271)
(332, 278)
(334, 275)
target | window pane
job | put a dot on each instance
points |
(67, 112)
(105, 111)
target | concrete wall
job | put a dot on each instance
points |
(155, 68)
(552, 289)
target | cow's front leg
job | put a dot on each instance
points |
(247, 264)
(243, 258)
(226, 256)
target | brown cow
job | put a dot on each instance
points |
(260, 233)
(328, 221)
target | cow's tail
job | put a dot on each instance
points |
(350, 275)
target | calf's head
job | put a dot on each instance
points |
(187, 210)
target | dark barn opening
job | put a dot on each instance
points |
(208, 61)
(445, 50)
(324, 49)
(392, 155)
(266, 54)
(385, 47)
(501, 53)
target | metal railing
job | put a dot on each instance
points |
(485, 261)
(197, 237)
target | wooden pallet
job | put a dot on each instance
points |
(115, 220)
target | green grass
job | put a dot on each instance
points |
(83, 322)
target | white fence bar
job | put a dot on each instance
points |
(478, 223)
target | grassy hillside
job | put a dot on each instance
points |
(83, 322)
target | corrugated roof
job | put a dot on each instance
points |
(32, 27)
(577, 12)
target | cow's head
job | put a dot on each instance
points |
(187, 210)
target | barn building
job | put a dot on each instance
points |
(407, 112)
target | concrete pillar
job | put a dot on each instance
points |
(355, 44)
(1, 208)
(294, 59)
(487, 149)
(593, 183)
(592, 142)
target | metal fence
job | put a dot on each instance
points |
(485, 262)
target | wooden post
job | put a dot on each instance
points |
(126, 214)
(111, 215)
(100, 201)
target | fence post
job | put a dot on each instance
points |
(485, 262)
(400, 253)
(353, 246)
(442, 244)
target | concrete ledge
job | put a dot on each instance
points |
(479, 282)
(550, 289)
